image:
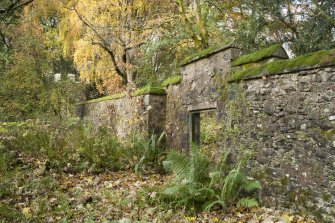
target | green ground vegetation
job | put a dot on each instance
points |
(70, 171)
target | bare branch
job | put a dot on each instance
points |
(3, 38)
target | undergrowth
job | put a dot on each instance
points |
(74, 147)
(153, 154)
(198, 184)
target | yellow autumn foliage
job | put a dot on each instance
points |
(88, 27)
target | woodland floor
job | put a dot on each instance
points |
(34, 194)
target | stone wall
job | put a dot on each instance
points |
(287, 120)
(197, 91)
(290, 121)
(141, 113)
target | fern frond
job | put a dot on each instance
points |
(204, 194)
(160, 138)
(215, 178)
(199, 166)
(231, 183)
(179, 164)
(249, 186)
(210, 204)
(139, 165)
(175, 192)
(247, 202)
(222, 164)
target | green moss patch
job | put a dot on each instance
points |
(138, 92)
(329, 134)
(257, 56)
(111, 97)
(204, 53)
(313, 60)
(149, 90)
(171, 81)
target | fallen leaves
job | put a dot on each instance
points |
(42, 196)
(27, 212)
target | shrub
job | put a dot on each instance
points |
(66, 146)
(10, 214)
(197, 185)
(5, 159)
(191, 176)
(152, 154)
(73, 146)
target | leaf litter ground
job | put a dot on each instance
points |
(32, 194)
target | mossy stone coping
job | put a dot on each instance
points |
(106, 98)
(138, 92)
(205, 53)
(321, 58)
(171, 81)
(272, 51)
(149, 90)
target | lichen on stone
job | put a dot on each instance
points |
(312, 60)
(171, 81)
(271, 51)
(149, 90)
(329, 134)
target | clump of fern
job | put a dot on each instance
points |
(190, 186)
(234, 187)
(151, 154)
(198, 185)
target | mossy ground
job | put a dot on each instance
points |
(257, 56)
(171, 81)
(313, 60)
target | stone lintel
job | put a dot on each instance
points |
(202, 106)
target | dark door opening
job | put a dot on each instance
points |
(203, 127)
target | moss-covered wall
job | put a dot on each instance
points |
(138, 113)
(289, 122)
(196, 91)
(287, 119)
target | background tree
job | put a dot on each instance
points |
(305, 26)
(107, 41)
(32, 57)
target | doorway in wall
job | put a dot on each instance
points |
(204, 130)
